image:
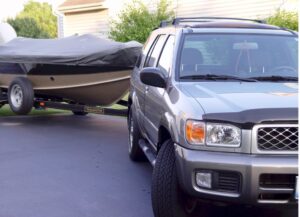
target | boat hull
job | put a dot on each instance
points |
(94, 88)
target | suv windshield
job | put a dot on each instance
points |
(254, 57)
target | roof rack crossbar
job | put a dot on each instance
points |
(179, 20)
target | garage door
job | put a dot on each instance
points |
(86, 22)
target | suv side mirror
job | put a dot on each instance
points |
(153, 77)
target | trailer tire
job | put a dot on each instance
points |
(1, 97)
(21, 96)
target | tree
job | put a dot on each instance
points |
(35, 21)
(27, 27)
(286, 19)
(136, 21)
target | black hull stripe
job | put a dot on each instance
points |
(11, 68)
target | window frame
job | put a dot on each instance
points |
(162, 50)
(147, 59)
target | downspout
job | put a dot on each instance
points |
(60, 21)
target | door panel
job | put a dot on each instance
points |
(136, 84)
(154, 102)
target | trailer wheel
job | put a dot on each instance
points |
(1, 97)
(21, 96)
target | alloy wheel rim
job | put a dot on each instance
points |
(16, 96)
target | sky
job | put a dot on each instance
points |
(9, 8)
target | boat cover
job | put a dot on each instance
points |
(84, 50)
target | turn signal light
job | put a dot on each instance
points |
(195, 132)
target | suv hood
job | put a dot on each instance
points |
(216, 97)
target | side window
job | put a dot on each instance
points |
(151, 41)
(165, 60)
(153, 55)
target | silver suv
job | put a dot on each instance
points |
(213, 106)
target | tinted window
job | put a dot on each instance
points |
(155, 51)
(239, 55)
(165, 60)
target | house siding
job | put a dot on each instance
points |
(94, 22)
(97, 22)
(233, 8)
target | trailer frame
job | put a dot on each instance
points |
(40, 103)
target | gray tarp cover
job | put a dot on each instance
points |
(85, 50)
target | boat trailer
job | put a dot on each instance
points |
(75, 108)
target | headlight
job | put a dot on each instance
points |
(212, 134)
(222, 135)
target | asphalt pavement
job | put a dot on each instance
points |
(68, 166)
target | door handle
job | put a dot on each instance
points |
(147, 89)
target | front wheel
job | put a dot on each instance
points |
(21, 96)
(135, 152)
(168, 199)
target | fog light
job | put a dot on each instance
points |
(204, 179)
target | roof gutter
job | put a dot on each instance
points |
(81, 8)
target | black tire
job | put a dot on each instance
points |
(1, 97)
(80, 113)
(21, 96)
(168, 200)
(135, 152)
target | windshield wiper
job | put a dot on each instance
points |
(217, 77)
(275, 78)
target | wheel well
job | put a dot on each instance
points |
(163, 136)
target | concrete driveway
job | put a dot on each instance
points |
(67, 166)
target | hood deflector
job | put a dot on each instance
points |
(248, 118)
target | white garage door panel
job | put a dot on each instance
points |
(90, 22)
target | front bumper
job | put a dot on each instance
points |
(259, 176)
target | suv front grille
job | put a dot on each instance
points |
(277, 138)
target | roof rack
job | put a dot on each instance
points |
(179, 20)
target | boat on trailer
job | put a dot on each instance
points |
(78, 70)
